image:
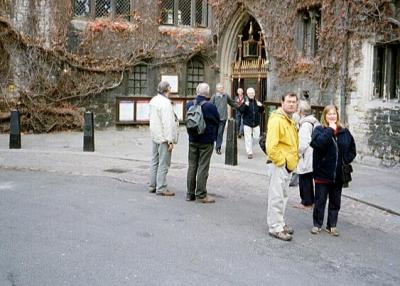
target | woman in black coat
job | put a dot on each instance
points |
(333, 145)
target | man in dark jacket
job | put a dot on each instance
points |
(250, 111)
(201, 148)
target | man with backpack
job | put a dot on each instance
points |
(201, 143)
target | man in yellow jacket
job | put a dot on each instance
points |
(282, 150)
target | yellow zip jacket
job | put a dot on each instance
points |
(282, 140)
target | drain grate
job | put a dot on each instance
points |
(116, 170)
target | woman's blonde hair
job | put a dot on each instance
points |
(325, 112)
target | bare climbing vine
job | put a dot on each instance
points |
(363, 19)
(50, 80)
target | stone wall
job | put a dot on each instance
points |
(374, 123)
(104, 105)
(384, 134)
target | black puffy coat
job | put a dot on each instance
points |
(251, 113)
(330, 151)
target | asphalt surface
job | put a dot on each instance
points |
(63, 229)
(69, 217)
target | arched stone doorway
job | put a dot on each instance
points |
(243, 58)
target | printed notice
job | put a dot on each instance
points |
(126, 111)
(143, 111)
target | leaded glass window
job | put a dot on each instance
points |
(138, 80)
(102, 8)
(184, 12)
(167, 12)
(195, 75)
(82, 8)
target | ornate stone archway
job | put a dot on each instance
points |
(228, 45)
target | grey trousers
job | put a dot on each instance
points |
(220, 136)
(160, 162)
(199, 164)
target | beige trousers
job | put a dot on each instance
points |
(277, 198)
(250, 134)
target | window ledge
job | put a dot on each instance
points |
(168, 28)
(379, 102)
(80, 23)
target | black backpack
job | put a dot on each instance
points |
(195, 123)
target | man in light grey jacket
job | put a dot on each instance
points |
(221, 101)
(164, 134)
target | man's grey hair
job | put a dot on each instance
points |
(304, 107)
(163, 87)
(203, 89)
(219, 85)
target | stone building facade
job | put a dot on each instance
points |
(233, 48)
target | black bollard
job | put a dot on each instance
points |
(231, 152)
(88, 133)
(15, 130)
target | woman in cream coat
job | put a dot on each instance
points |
(306, 123)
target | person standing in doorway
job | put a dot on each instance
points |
(164, 134)
(221, 101)
(282, 150)
(201, 148)
(251, 110)
(239, 100)
(306, 124)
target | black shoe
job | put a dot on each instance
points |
(190, 197)
(218, 151)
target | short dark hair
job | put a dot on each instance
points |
(289, 94)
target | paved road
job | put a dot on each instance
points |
(100, 227)
(374, 185)
(69, 217)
